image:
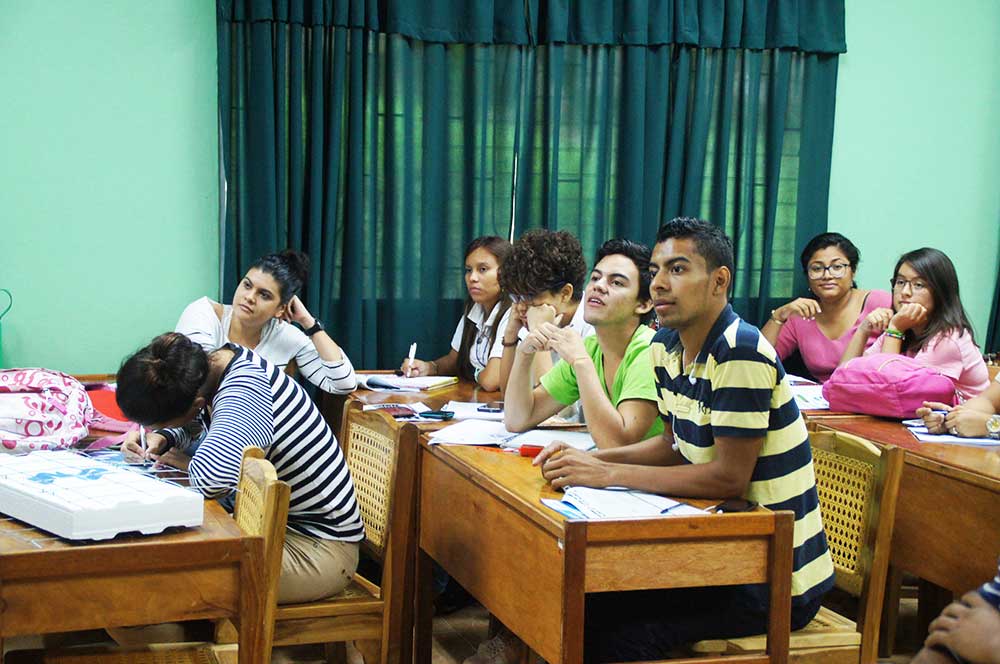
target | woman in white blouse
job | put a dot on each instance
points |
(265, 304)
(476, 346)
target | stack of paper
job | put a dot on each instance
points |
(808, 395)
(469, 410)
(918, 429)
(482, 432)
(581, 440)
(587, 503)
(471, 432)
(393, 383)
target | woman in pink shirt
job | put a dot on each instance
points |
(927, 322)
(821, 326)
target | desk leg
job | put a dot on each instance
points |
(931, 600)
(255, 636)
(424, 614)
(574, 598)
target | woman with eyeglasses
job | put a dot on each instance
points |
(822, 325)
(927, 322)
(476, 346)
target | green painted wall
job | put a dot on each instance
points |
(108, 175)
(916, 153)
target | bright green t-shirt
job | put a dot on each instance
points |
(633, 380)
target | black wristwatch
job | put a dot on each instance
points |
(317, 326)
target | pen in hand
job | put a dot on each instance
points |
(411, 356)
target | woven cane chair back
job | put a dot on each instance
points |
(371, 456)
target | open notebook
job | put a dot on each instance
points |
(482, 432)
(580, 502)
(393, 383)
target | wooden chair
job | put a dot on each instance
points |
(381, 455)
(261, 510)
(993, 370)
(857, 488)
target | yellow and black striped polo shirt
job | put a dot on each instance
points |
(736, 387)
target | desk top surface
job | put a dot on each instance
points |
(513, 479)
(25, 549)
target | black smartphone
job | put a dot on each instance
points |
(736, 505)
(438, 414)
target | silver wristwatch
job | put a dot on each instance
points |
(993, 426)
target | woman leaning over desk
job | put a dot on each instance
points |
(238, 400)
(821, 326)
(265, 304)
(476, 345)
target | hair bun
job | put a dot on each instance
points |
(297, 263)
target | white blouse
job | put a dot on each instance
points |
(280, 342)
(482, 351)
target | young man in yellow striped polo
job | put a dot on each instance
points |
(732, 429)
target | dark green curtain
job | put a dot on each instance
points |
(368, 135)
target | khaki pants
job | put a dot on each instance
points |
(311, 569)
(314, 568)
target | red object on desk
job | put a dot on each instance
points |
(105, 403)
(530, 450)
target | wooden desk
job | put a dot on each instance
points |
(948, 509)
(53, 585)
(481, 519)
(332, 405)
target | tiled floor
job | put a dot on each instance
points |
(456, 637)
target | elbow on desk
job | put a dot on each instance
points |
(513, 425)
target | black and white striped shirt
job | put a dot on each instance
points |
(258, 404)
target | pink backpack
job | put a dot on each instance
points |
(887, 385)
(41, 410)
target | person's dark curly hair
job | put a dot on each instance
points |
(160, 382)
(544, 261)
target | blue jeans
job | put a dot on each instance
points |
(648, 624)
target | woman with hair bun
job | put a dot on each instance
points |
(266, 301)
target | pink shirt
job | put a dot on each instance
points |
(954, 355)
(821, 354)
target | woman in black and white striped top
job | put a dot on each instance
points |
(239, 399)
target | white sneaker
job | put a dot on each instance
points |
(504, 648)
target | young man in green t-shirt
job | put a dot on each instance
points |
(610, 372)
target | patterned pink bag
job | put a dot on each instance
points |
(887, 385)
(41, 410)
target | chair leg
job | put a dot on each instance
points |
(335, 653)
(371, 651)
(890, 612)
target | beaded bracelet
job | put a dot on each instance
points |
(895, 334)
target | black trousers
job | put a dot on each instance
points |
(648, 624)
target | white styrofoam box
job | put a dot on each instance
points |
(77, 497)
